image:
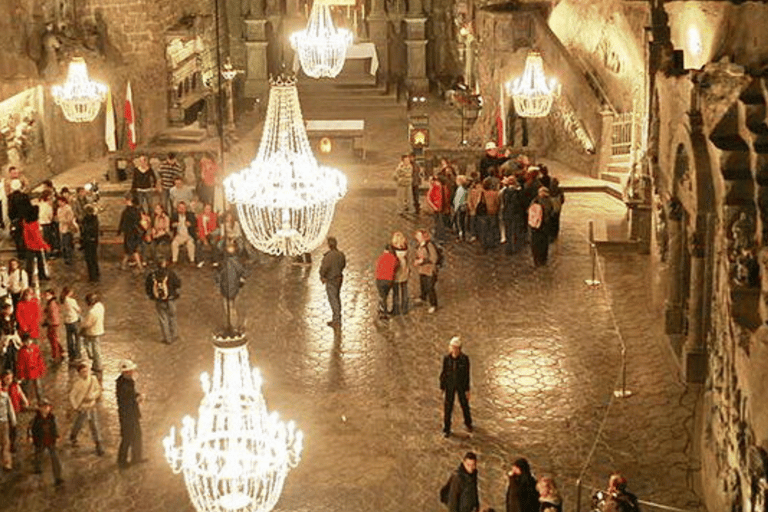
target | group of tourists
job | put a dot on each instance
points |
(507, 201)
(526, 493)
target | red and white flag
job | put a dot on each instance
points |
(109, 124)
(130, 118)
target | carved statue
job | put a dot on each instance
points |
(103, 45)
(254, 9)
(50, 60)
(743, 232)
(746, 270)
(273, 7)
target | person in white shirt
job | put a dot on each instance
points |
(92, 329)
(18, 280)
(85, 392)
(70, 315)
(45, 218)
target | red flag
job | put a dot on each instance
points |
(501, 120)
(130, 117)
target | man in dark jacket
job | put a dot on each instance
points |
(331, 275)
(89, 236)
(617, 497)
(454, 379)
(522, 495)
(128, 400)
(131, 229)
(463, 495)
(162, 286)
(513, 214)
(230, 279)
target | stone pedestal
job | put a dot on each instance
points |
(416, 45)
(604, 149)
(256, 62)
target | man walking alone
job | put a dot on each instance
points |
(162, 286)
(454, 379)
(331, 275)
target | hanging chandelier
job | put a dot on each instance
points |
(321, 47)
(79, 98)
(237, 456)
(531, 94)
(285, 200)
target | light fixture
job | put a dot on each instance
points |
(326, 146)
(237, 456)
(321, 47)
(80, 98)
(285, 200)
(531, 94)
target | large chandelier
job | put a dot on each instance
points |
(321, 47)
(285, 200)
(79, 98)
(238, 455)
(531, 94)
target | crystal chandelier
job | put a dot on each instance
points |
(531, 94)
(321, 47)
(79, 98)
(239, 455)
(284, 199)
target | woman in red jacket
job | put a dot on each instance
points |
(30, 367)
(28, 314)
(34, 244)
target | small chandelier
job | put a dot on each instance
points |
(238, 455)
(321, 47)
(285, 200)
(531, 94)
(79, 98)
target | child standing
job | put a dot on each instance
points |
(44, 435)
(53, 321)
(70, 314)
(30, 367)
(19, 401)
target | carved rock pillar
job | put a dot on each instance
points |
(416, 45)
(674, 309)
(604, 151)
(256, 64)
(694, 351)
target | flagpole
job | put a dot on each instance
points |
(220, 127)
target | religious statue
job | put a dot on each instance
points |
(103, 45)
(49, 63)
(743, 232)
(253, 9)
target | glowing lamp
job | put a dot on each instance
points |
(285, 200)
(325, 145)
(79, 97)
(531, 93)
(237, 456)
(321, 47)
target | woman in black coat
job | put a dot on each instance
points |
(522, 495)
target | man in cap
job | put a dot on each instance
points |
(491, 158)
(128, 400)
(454, 379)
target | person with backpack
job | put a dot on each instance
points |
(487, 212)
(539, 213)
(460, 493)
(162, 286)
(426, 263)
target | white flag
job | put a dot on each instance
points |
(109, 124)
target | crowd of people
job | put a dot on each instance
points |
(46, 226)
(507, 201)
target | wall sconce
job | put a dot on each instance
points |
(326, 146)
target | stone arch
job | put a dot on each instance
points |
(691, 235)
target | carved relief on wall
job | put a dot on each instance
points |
(21, 139)
(608, 56)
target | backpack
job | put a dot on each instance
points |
(482, 207)
(446, 489)
(440, 255)
(159, 287)
(535, 215)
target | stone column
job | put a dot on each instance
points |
(416, 45)
(378, 32)
(256, 63)
(694, 351)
